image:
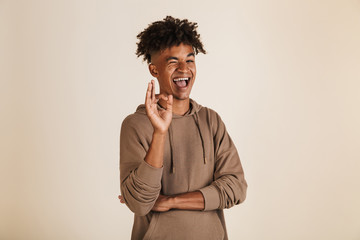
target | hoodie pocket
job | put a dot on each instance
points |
(189, 225)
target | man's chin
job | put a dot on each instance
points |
(181, 98)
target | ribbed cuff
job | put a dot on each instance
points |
(149, 174)
(211, 197)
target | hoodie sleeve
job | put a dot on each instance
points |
(229, 185)
(140, 182)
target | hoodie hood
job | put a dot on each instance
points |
(194, 108)
(192, 112)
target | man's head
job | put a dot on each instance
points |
(165, 34)
(170, 46)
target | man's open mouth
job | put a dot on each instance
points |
(181, 82)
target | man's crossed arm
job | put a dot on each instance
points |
(184, 201)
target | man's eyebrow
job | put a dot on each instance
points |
(175, 58)
(171, 58)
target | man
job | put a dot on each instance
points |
(178, 166)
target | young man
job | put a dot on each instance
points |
(178, 166)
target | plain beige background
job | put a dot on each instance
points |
(283, 74)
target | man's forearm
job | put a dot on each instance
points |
(184, 201)
(155, 154)
(189, 201)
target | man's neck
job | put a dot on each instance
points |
(180, 107)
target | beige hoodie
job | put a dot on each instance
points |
(199, 155)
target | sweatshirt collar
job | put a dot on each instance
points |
(194, 108)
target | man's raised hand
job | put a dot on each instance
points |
(159, 118)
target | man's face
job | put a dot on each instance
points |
(175, 70)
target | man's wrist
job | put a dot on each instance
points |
(173, 202)
(159, 133)
(187, 201)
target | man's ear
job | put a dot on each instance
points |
(153, 70)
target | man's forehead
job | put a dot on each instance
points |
(185, 50)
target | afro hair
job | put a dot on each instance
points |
(164, 34)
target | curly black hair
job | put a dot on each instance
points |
(169, 32)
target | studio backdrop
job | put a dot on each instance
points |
(283, 75)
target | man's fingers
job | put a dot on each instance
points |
(121, 199)
(153, 90)
(161, 96)
(169, 103)
(148, 94)
(167, 98)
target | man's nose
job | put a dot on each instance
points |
(183, 67)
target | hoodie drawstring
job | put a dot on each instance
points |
(172, 167)
(171, 140)
(196, 119)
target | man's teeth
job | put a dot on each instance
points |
(181, 79)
